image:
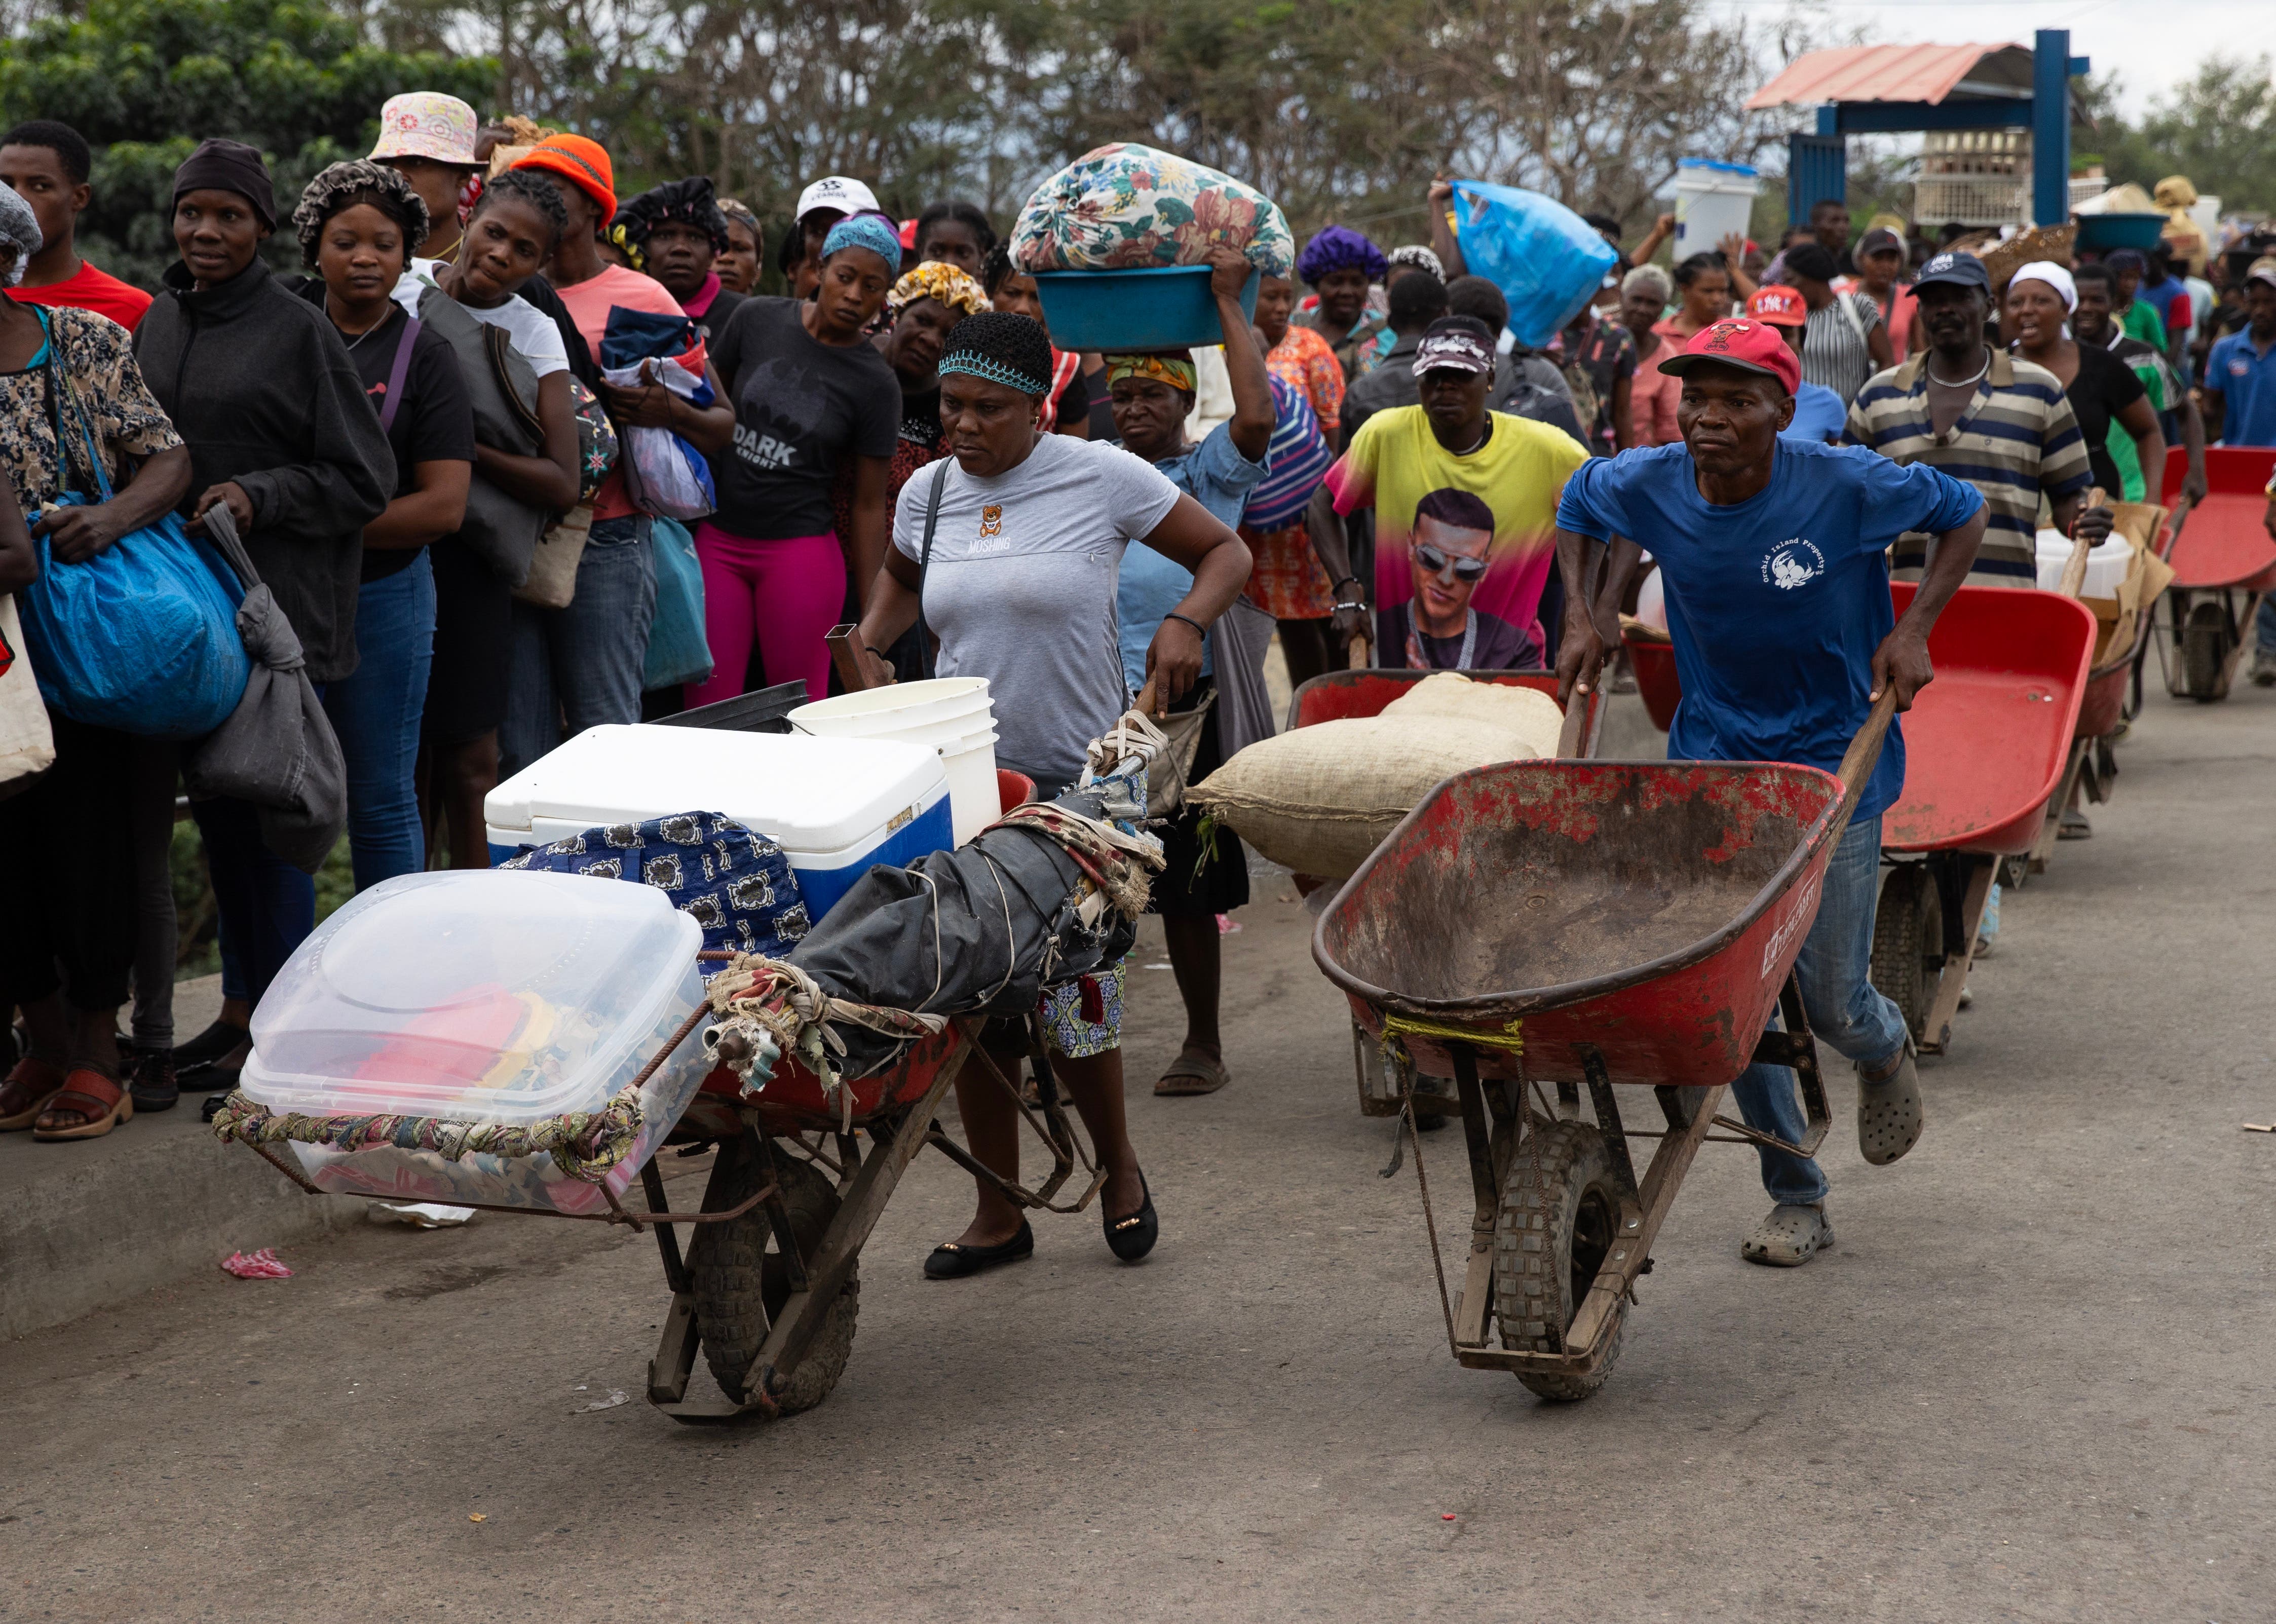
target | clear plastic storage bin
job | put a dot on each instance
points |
(481, 997)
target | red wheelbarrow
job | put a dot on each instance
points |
(1986, 747)
(2223, 564)
(1586, 924)
(2113, 682)
(1338, 694)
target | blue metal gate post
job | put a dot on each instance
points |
(2051, 71)
(1817, 167)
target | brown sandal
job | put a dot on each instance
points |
(1191, 1074)
(100, 1102)
(25, 1093)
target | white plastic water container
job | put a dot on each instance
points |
(835, 805)
(2106, 565)
(479, 996)
(953, 715)
(1713, 200)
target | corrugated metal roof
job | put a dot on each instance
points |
(1898, 74)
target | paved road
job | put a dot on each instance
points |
(2032, 1383)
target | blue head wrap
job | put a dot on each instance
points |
(1339, 247)
(873, 233)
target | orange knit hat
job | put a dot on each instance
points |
(584, 163)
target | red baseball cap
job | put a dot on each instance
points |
(1780, 305)
(1751, 347)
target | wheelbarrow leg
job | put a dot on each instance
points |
(2066, 796)
(1936, 1030)
(675, 1349)
(1476, 1299)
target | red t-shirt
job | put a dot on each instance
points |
(589, 302)
(89, 289)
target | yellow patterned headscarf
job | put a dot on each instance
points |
(1175, 370)
(935, 279)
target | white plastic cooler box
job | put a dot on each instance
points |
(835, 805)
(485, 998)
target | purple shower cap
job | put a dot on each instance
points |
(1339, 247)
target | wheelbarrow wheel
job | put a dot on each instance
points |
(1908, 942)
(739, 1280)
(2205, 651)
(1560, 1209)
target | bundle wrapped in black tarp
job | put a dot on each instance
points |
(1041, 898)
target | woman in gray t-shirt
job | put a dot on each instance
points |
(1027, 540)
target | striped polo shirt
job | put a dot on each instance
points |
(2017, 441)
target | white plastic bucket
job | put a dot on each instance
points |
(2106, 565)
(1713, 200)
(974, 799)
(952, 714)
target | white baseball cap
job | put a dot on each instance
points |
(841, 193)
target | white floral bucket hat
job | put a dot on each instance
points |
(425, 124)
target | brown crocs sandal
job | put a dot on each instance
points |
(1890, 1114)
(1789, 1237)
(30, 1085)
(96, 1103)
(1192, 1073)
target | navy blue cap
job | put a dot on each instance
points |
(1959, 270)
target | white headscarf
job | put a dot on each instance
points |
(20, 229)
(2054, 276)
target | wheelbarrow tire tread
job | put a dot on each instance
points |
(738, 1284)
(2205, 652)
(1907, 938)
(1534, 1237)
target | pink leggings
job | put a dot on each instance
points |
(786, 594)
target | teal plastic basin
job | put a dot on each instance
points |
(1161, 308)
(2108, 232)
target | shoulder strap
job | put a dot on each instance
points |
(397, 373)
(1847, 301)
(924, 562)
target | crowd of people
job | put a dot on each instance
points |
(421, 440)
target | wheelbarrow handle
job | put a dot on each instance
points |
(1857, 763)
(2073, 575)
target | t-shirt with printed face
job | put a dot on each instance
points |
(1020, 589)
(1394, 462)
(803, 408)
(1775, 605)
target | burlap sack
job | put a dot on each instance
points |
(1320, 799)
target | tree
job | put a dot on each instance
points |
(144, 81)
(2217, 127)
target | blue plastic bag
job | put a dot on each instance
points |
(1547, 260)
(142, 637)
(677, 651)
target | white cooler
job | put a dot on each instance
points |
(835, 805)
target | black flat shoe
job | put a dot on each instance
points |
(1131, 1238)
(216, 1043)
(951, 1260)
(151, 1072)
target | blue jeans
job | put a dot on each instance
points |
(1844, 1008)
(2265, 624)
(268, 907)
(582, 664)
(375, 712)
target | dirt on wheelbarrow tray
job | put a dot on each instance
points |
(1516, 893)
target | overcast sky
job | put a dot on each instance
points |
(2153, 46)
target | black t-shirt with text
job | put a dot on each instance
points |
(802, 410)
(433, 423)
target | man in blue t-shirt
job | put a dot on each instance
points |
(1774, 553)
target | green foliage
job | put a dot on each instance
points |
(145, 79)
(2219, 128)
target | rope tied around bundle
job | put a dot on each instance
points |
(1510, 1038)
(766, 1008)
(584, 1144)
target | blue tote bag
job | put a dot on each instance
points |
(677, 651)
(142, 637)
